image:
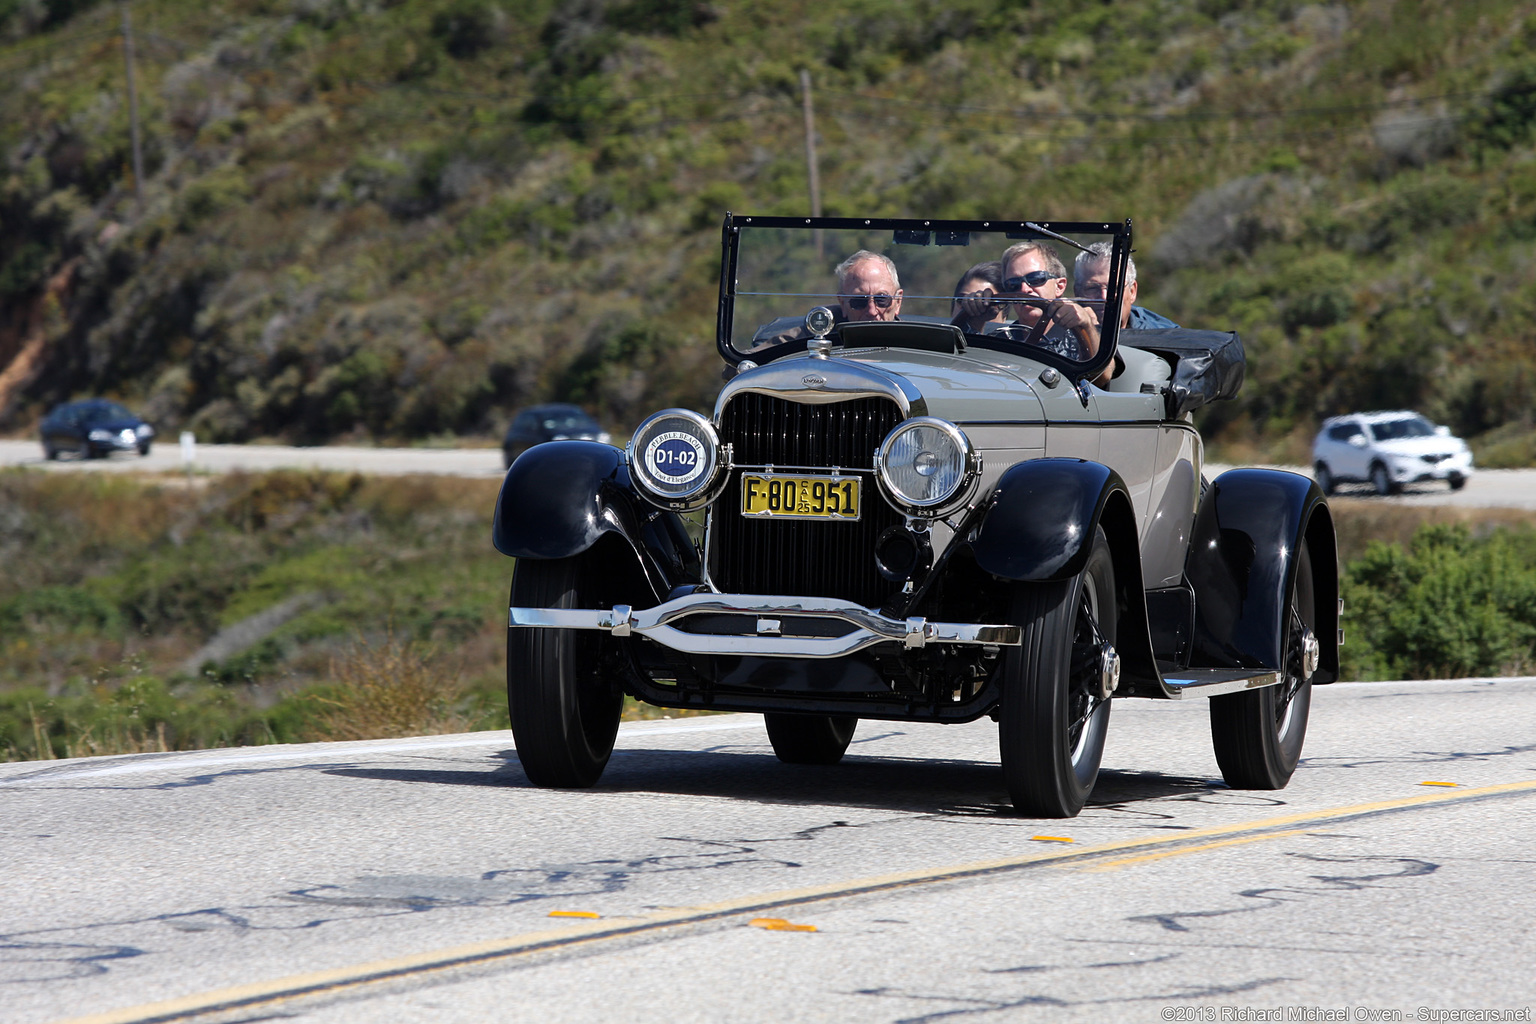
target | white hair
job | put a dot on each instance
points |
(859, 257)
(1100, 252)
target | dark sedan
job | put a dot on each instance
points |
(549, 423)
(93, 429)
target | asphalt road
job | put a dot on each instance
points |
(1497, 488)
(258, 458)
(415, 880)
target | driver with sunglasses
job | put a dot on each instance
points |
(1035, 278)
(868, 288)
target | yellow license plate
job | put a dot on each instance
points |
(782, 496)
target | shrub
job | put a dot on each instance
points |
(392, 687)
(1449, 605)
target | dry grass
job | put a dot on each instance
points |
(1358, 521)
(390, 688)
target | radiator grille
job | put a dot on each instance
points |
(756, 556)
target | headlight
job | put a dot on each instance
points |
(144, 430)
(675, 458)
(926, 466)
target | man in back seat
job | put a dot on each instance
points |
(1090, 281)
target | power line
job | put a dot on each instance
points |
(1034, 113)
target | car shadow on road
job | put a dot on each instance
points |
(942, 786)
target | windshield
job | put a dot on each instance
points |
(102, 412)
(570, 421)
(995, 284)
(1408, 426)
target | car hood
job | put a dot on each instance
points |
(1414, 446)
(950, 386)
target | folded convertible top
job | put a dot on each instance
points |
(1207, 365)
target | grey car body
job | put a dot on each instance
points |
(1076, 556)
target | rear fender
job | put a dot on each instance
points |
(1242, 563)
(561, 497)
(1039, 526)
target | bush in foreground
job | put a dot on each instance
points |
(1448, 605)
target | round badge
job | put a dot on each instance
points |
(675, 457)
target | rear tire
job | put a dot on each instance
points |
(1051, 734)
(1258, 734)
(810, 739)
(565, 715)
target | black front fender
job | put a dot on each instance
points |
(561, 497)
(1040, 526)
(1242, 561)
(1041, 518)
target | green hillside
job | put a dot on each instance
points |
(366, 219)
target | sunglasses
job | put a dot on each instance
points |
(1035, 278)
(862, 301)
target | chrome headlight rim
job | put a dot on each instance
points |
(700, 487)
(970, 469)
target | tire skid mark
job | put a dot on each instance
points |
(586, 935)
(31, 956)
(980, 1006)
(1409, 867)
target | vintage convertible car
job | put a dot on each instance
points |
(913, 521)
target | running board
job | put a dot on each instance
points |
(1208, 682)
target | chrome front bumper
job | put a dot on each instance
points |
(768, 638)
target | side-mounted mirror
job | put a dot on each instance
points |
(1442, 431)
(1357, 440)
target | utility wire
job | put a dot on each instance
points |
(1035, 113)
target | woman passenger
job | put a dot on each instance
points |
(972, 308)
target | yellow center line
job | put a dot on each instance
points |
(1116, 865)
(316, 982)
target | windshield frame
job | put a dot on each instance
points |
(1015, 230)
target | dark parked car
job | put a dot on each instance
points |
(908, 516)
(93, 429)
(549, 423)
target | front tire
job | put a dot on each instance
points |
(565, 715)
(1382, 480)
(1051, 734)
(810, 739)
(1258, 733)
(1457, 481)
(1325, 480)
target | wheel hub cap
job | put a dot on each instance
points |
(1311, 654)
(1109, 671)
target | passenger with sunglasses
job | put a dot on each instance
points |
(1035, 279)
(868, 288)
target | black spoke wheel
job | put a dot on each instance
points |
(810, 739)
(1054, 718)
(1258, 733)
(565, 714)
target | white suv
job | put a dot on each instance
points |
(1388, 449)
